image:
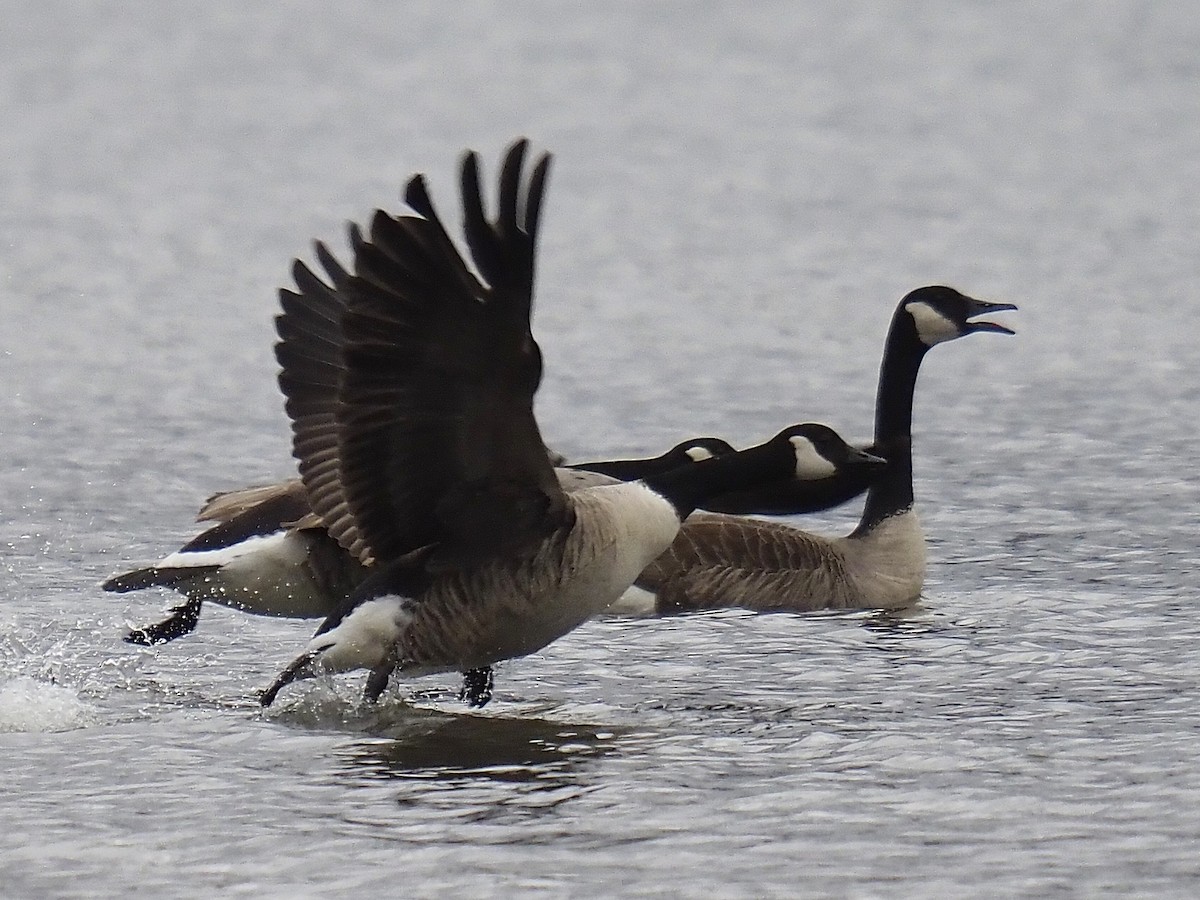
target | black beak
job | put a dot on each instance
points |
(982, 307)
(859, 457)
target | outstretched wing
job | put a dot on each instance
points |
(311, 372)
(418, 428)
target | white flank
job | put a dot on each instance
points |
(932, 326)
(698, 454)
(641, 525)
(649, 523)
(267, 575)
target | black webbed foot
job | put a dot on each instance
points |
(182, 621)
(477, 687)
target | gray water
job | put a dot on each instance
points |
(741, 193)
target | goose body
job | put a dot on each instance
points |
(418, 450)
(721, 561)
(469, 618)
(257, 558)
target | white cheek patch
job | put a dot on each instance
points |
(810, 465)
(932, 326)
(698, 454)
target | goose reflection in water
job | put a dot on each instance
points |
(429, 745)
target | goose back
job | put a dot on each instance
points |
(719, 561)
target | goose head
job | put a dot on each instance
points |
(686, 453)
(941, 313)
(820, 452)
(696, 450)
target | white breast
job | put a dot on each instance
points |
(887, 564)
(620, 529)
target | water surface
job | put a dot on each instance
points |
(737, 203)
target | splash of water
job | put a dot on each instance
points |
(29, 705)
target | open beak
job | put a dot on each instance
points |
(983, 307)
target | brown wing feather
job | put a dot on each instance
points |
(720, 561)
(435, 435)
(228, 504)
(312, 367)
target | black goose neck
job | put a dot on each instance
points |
(687, 487)
(892, 492)
(902, 357)
(628, 469)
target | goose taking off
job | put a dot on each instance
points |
(413, 425)
(729, 561)
(268, 555)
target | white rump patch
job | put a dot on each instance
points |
(932, 326)
(810, 464)
(698, 454)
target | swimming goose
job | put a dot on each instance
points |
(729, 561)
(413, 425)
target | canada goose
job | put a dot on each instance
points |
(729, 561)
(267, 555)
(412, 421)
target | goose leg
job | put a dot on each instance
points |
(377, 681)
(182, 621)
(477, 687)
(301, 667)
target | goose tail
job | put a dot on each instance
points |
(153, 576)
